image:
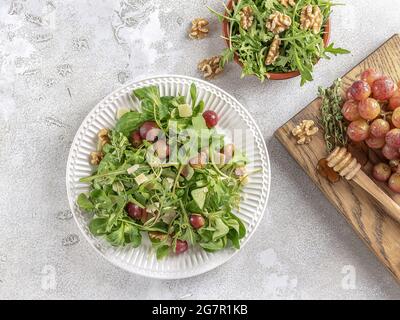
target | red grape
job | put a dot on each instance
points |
(149, 131)
(197, 221)
(381, 172)
(134, 211)
(375, 143)
(350, 110)
(394, 182)
(162, 149)
(369, 109)
(181, 246)
(211, 118)
(136, 139)
(348, 95)
(358, 130)
(370, 76)
(360, 90)
(393, 138)
(394, 101)
(390, 153)
(383, 89)
(379, 128)
(396, 118)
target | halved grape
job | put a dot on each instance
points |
(369, 109)
(390, 153)
(162, 149)
(394, 182)
(360, 90)
(394, 101)
(383, 89)
(358, 130)
(379, 128)
(393, 138)
(381, 172)
(350, 110)
(370, 76)
(149, 131)
(375, 143)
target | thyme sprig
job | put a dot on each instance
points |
(331, 116)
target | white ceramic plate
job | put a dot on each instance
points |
(232, 115)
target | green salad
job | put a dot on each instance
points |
(278, 36)
(166, 172)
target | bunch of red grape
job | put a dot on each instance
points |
(373, 109)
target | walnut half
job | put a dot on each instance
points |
(96, 157)
(210, 67)
(273, 52)
(278, 22)
(246, 17)
(311, 18)
(103, 137)
(304, 131)
(199, 29)
(286, 3)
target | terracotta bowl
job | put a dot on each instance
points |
(272, 75)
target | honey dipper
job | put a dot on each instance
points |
(343, 163)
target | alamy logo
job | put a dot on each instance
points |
(349, 279)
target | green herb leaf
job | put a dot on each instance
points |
(129, 122)
(84, 203)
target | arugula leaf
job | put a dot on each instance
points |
(335, 51)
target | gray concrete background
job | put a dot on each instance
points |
(59, 58)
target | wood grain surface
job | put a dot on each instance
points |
(380, 233)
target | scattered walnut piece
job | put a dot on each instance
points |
(286, 3)
(311, 18)
(95, 157)
(246, 17)
(199, 29)
(156, 235)
(103, 137)
(327, 172)
(304, 131)
(278, 22)
(210, 67)
(273, 52)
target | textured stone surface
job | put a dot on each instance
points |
(59, 58)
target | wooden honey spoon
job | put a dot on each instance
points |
(342, 162)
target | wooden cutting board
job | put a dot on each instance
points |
(379, 232)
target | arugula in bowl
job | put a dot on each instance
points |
(166, 172)
(277, 39)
